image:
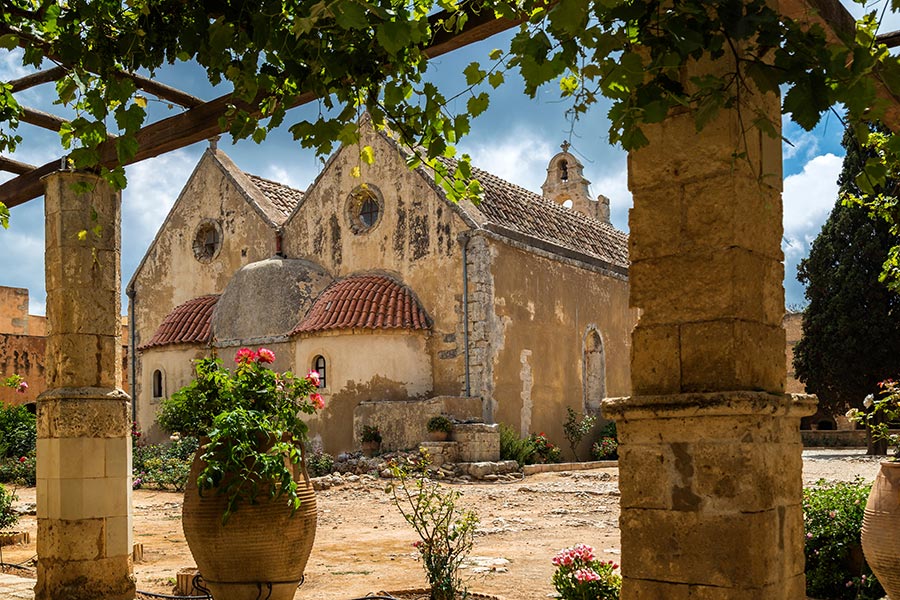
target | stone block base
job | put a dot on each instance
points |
(710, 495)
(101, 579)
(441, 452)
(478, 442)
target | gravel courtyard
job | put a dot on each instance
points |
(363, 545)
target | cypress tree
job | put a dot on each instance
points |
(851, 327)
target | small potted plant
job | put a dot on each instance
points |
(248, 496)
(439, 428)
(370, 437)
(579, 574)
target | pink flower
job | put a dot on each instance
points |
(317, 401)
(22, 387)
(244, 356)
(584, 575)
(266, 355)
(313, 377)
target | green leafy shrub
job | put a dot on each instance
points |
(545, 451)
(513, 447)
(18, 431)
(580, 575)
(163, 466)
(446, 532)
(20, 471)
(319, 463)
(370, 433)
(8, 517)
(577, 426)
(835, 566)
(606, 449)
(440, 423)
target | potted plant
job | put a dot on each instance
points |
(881, 522)
(370, 438)
(439, 427)
(249, 513)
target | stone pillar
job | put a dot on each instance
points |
(84, 442)
(710, 455)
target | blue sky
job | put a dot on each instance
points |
(515, 139)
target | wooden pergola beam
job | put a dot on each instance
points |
(160, 90)
(202, 122)
(45, 76)
(39, 118)
(13, 166)
(838, 24)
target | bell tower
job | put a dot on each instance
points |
(567, 186)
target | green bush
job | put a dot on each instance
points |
(512, 447)
(835, 566)
(576, 426)
(606, 449)
(163, 466)
(18, 432)
(8, 517)
(319, 463)
(545, 451)
(20, 471)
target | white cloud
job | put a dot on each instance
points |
(521, 158)
(153, 187)
(810, 195)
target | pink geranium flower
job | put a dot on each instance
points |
(266, 356)
(317, 401)
(22, 387)
(313, 377)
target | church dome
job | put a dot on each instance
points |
(266, 299)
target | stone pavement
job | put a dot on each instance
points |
(14, 588)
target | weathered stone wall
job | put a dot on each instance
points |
(403, 423)
(362, 366)
(171, 274)
(415, 239)
(23, 355)
(529, 316)
(13, 310)
(793, 332)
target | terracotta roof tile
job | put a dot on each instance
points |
(522, 210)
(187, 323)
(365, 302)
(283, 198)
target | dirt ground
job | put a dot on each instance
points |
(363, 545)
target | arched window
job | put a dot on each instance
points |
(319, 367)
(157, 384)
(594, 372)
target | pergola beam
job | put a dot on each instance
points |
(202, 121)
(13, 166)
(45, 76)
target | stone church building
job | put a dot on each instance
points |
(407, 303)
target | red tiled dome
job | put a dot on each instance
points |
(187, 323)
(365, 302)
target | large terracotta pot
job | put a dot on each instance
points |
(881, 528)
(262, 550)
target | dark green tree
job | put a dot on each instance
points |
(851, 328)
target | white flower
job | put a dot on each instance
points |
(868, 401)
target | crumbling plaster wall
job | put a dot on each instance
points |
(415, 240)
(362, 365)
(528, 315)
(22, 355)
(171, 274)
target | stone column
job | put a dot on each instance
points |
(84, 442)
(710, 455)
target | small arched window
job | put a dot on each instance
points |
(319, 367)
(157, 384)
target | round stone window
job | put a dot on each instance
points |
(207, 240)
(364, 208)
